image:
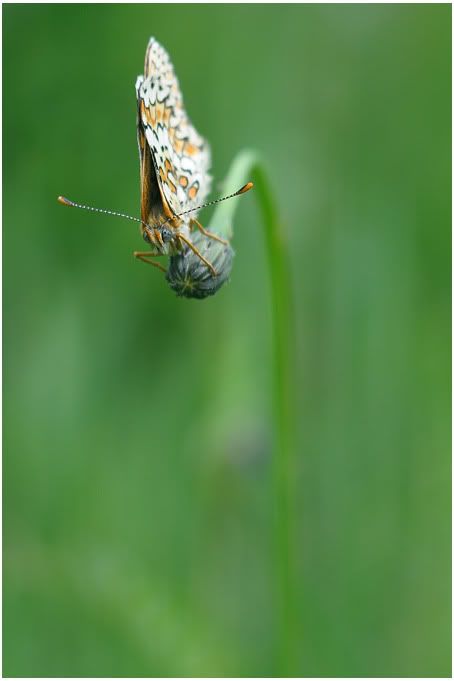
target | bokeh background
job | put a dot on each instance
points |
(138, 426)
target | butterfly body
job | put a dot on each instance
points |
(174, 158)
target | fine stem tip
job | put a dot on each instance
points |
(246, 188)
(64, 201)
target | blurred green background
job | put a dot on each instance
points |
(138, 426)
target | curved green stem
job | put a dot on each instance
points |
(248, 166)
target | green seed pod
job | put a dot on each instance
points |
(190, 277)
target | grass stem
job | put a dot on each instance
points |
(248, 166)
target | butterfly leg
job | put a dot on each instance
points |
(195, 250)
(205, 232)
(145, 255)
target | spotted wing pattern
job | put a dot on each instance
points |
(169, 145)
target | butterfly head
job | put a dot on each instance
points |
(158, 235)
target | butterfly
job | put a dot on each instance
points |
(174, 159)
(174, 167)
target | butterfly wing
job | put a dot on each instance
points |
(174, 158)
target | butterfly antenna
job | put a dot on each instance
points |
(243, 190)
(66, 202)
